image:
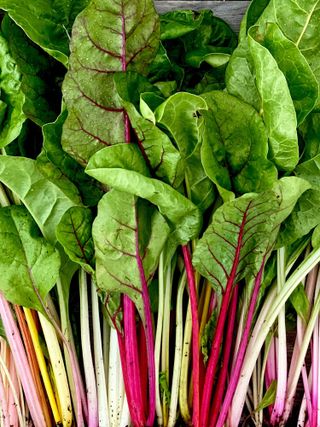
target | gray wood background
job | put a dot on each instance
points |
(230, 11)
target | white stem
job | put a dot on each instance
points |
(177, 354)
(302, 413)
(157, 346)
(115, 383)
(281, 345)
(184, 378)
(258, 336)
(87, 353)
(103, 412)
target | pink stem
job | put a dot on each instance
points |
(242, 350)
(13, 414)
(195, 336)
(132, 358)
(217, 401)
(3, 404)
(21, 362)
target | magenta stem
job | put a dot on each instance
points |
(149, 335)
(217, 400)
(4, 405)
(195, 336)
(242, 350)
(132, 359)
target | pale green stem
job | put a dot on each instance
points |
(184, 377)
(177, 354)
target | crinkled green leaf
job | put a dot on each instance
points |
(305, 31)
(277, 106)
(125, 232)
(179, 116)
(302, 83)
(316, 237)
(47, 23)
(163, 157)
(243, 231)
(29, 264)
(12, 98)
(122, 167)
(306, 214)
(74, 234)
(300, 302)
(310, 131)
(107, 37)
(239, 77)
(40, 75)
(44, 196)
(236, 241)
(235, 146)
(178, 23)
(89, 190)
(255, 10)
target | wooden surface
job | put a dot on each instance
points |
(230, 11)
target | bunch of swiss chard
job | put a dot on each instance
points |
(160, 215)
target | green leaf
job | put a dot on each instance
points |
(300, 302)
(310, 131)
(183, 108)
(46, 23)
(107, 37)
(305, 31)
(235, 243)
(29, 265)
(302, 83)
(179, 23)
(43, 196)
(163, 157)
(40, 75)
(124, 231)
(240, 80)
(213, 57)
(269, 397)
(316, 237)
(255, 10)
(122, 167)
(235, 146)
(89, 190)
(11, 97)
(74, 234)
(277, 106)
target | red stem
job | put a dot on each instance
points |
(215, 350)
(242, 350)
(217, 400)
(195, 336)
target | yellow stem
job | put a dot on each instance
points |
(42, 365)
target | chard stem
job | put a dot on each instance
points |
(242, 350)
(184, 377)
(59, 372)
(98, 360)
(278, 407)
(177, 353)
(21, 362)
(4, 414)
(157, 347)
(42, 365)
(259, 334)
(195, 336)
(87, 353)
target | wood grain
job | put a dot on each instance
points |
(230, 11)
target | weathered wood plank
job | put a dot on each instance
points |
(230, 11)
